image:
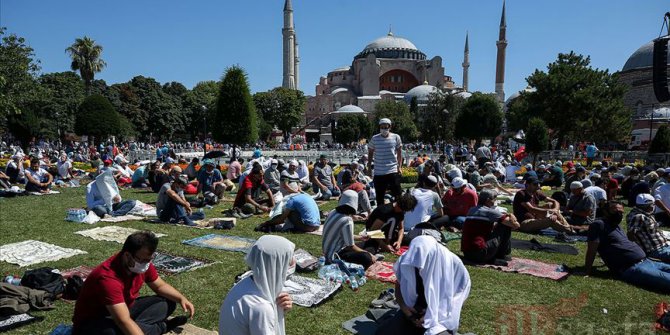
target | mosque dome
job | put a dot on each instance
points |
(391, 46)
(347, 109)
(642, 58)
(421, 92)
(463, 94)
(518, 94)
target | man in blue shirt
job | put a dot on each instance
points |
(210, 180)
(300, 214)
(591, 151)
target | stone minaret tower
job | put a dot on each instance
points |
(296, 64)
(289, 54)
(500, 63)
(466, 63)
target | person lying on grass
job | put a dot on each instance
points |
(300, 214)
(109, 301)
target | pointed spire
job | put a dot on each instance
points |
(287, 5)
(467, 45)
(503, 22)
(390, 31)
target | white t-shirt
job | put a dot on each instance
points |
(385, 158)
(662, 193)
(64, 168)
(425, 201)
(37, 175)
(245, 312)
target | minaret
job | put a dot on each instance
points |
(466, 63)
(296, 64)
(500, 63)
(288, 34)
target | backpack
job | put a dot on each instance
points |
(44, 279)
(73, 287)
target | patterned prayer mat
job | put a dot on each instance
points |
(189, 329)
(33, 252)
(14, 321)
(110, 233)
(222, 242)
(382, 271)
(532, 267)
(309, 292)
(170, 264)
(40, 193)
(115, 219)
(82, 271)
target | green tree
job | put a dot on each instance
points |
(414, 109)
(18, 75)
(479, 118)
(661, 142)
(85, 54)
(352, 128)
(163, 116)
(97, 117)
(438, 118)
(66, 93)
(537, 137)
(398, 112)
(235, 120)
(200, 105)
(281, 107)
(577, 101)
(24, 126)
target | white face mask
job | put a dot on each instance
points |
(384, 132)
(139, 268)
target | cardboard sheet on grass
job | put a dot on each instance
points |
(48, 193)
(170, 264)
(110, 233)
(382, 271)
(531, 267)
(33, 252)
(222, 242)
(189, 329)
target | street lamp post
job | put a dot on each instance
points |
(204, 114)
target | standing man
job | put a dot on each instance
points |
(591, 151)
(385, 150)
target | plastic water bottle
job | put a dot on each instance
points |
(322, 261)
(354, 283)
(362, 281)
(13, 280)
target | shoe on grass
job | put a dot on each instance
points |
(385, 296)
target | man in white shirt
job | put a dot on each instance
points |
(39, 180)
(662, 196)
(427, 201)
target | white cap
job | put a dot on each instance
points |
(541, 166)
(274, 161)
(586, 183)
(529, 166)
(454, 173)
(385, 121)
(667, 170)
(293, 162)
(575, 185)
(432, 180)
(644, 199)
(349, 198)
(458, 182)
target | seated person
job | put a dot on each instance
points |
(235, 170)
(534, 217)
(155, 176)
(248, 198)
(662, 196)
(272, 176)
(643, 229)
(323, 179)
(210, 180)
(303, 174)
(491, 181)
(39, 180)
(582, 207)
(139, 179)
(432, 287)
(126, 174)
(554, 176)
(597, 191)
(389, 219)
(4, 181)
(487, 232)
(428, 205)
(578, 175)
(623, 257)
(300, 213)
(15, 170)
(629, 181)
(427, 170)
(289, 180)
(64, 167)
(256, 305)
(191, 171)
(338, 234)
(457, 202)
(171, 205)
(108, 302)
(350, 181)
(96, 202)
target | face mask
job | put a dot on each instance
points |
(139, 268)
(384, 132)
(616, 217)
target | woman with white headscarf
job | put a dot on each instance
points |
(432, 287)
(256, 304)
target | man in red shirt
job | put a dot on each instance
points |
(612, 184)
(108, 302)
(457, 201)
(248, 197)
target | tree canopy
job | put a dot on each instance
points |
(480, 117)
(235, 120)
(398, 112)
(537, 138)
(86, 58)
(97, 117)
(437, 119)
(352, 128)
(281, 107)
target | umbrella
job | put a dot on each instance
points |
(214, 154)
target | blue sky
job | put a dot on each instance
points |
(192, 41)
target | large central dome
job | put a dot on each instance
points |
(391, 46)
(642, 58)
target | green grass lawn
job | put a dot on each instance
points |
(499, 303)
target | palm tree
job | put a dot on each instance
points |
(86, 59)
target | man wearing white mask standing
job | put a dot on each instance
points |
(385, 150)
(109, 301)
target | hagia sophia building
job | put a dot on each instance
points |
(393, 68)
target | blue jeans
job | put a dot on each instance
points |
(330, 192)
(174, 212)
(649, 274)
(662, 253)
(118, 209)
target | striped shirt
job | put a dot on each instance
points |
(338, 233)
(291, 178)
(385, 158)
(645, 229)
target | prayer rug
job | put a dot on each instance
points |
(401, 251)
(82, 271)
(169, 264)
(116, 219)
(309, 292)
(551, 232)
(382, 271)
(189, 329)
(222, 242)
(535, 245)
(14, 321)
(110, 233)
(531, 267)
(40, 193)
(368, 323)
(33, 252)
(200, 224)
(448, 236)
(305, 262)
(142, 209)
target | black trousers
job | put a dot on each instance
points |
(148, 312)
(356, 257)
(386, 182)
(498, 245)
